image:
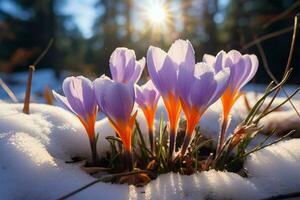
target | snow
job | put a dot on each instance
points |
(205, 185)
(34, 149)
(276, 166)
(210, 122)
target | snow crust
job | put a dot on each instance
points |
(34, 148)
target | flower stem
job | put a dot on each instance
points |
(129, 160)
(95, 158)
(172, 144)
(186, 143)
(151, 139)
(222, 135)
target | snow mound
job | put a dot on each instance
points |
(277, 165)
(28, 170)
(34, 149)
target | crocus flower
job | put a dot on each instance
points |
(163, 70)
(147, 97)
(116, 101)
(242, 69)
(80, 100)
(123, 66)
(204, 87)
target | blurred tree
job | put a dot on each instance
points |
(244, 19)
(211, 25)
(26, 35)
(112, 28)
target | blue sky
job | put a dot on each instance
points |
(84, 13)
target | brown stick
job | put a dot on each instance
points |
(29, 79)
(28, 90)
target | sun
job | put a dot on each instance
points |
(156, 12)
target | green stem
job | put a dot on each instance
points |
(95, 158)
(171, 144)
(222, 135)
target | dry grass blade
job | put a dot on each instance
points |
(283, 14)
(284, 196)
(8, 91)
(287, 67)
(268, 36)
(48, 96)
(105, 178)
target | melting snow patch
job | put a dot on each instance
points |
(34, 148)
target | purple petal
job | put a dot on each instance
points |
(202, 68)
(123, 65)
(220, 59)
(185, 77)
(139, 66)
(117, 63)
(254, 67)
(162, 70)
(240, 71)
(115, 99)
(63, 101)
(234, 55)
(218, 62)
(80, 95)
(222, 78)
(182, 52)
(147, 95)
(140, 97)
(209, 59)
(203, 87)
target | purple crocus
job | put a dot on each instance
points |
(80, 100)
(124, 67)
(147, 97)
(203, 88)
(242, 69)
(116, 101)
(163, 70)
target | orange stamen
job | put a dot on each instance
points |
(124, 130)
(173, 108)
(89, 125)
(149, 114)
(192, 115)
(228, 99)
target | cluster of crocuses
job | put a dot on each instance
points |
(182, 83)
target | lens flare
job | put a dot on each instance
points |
(156, 13)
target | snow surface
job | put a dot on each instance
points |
(34, 149)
